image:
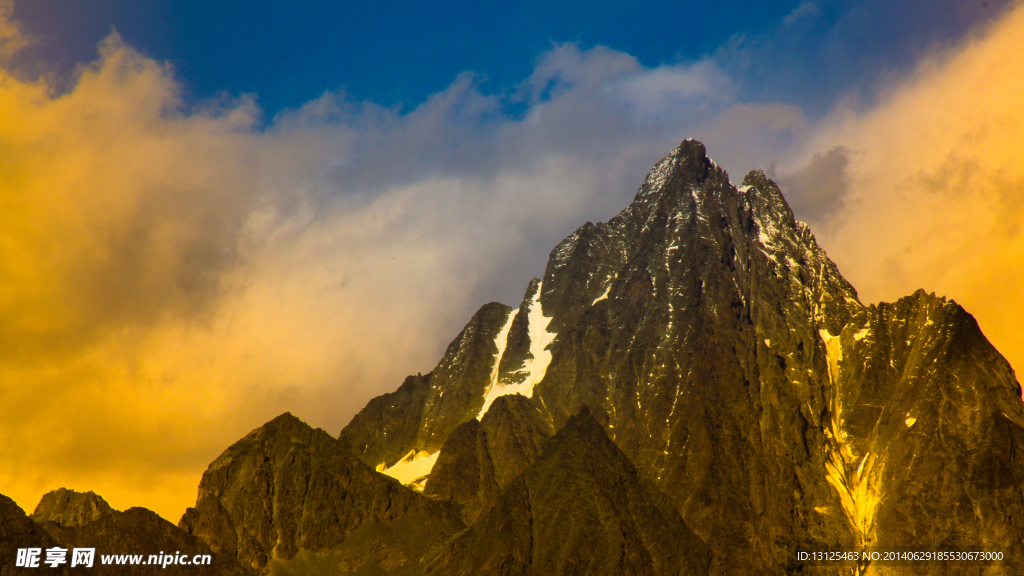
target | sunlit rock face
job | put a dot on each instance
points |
(70, 508)
(291, 499)
(730, 361)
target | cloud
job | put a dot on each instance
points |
(12, 37)
(932, 183)
(805, 11)
(825, 50)
(818, 191)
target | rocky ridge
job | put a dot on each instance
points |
(732, 363)
(68, 519)
(288, 496)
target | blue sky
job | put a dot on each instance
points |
(399, 52)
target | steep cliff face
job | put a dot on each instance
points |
(289, 497)
(579, 508)
(734, 366)
(480, 458)
(925, 427)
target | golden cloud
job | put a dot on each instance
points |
(934, 182)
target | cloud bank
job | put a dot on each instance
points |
(933, 183)
(172, 278)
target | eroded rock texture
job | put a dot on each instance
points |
(479, 459)
(732, 363)
(289, 495)
(580, 508)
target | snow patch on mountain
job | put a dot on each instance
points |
(412, 470)
(534, 368)
(602, 296)
(859, 488)
(501, 341)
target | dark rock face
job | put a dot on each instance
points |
(18, 531)
(580, 508)
(68, 519)
(481, 458)
(420, 415)
(464, 472)
(516, 432)
(736, 368)
(138, 531)
(287, 489)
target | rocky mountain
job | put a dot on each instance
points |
(482, 457)
(290, 499)
(67, 519)
(69, 508)
(730, 361)
(18, 531)
(579, 508)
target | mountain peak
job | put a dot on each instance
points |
(692, 160)
(287, 487)
(724, 354)
(685, 166)
(70, 508)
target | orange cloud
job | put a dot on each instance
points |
(934, 177)
(119, 215)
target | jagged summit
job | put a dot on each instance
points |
(720, 347)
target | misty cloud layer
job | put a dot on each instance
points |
(818, 190)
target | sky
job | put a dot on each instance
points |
(214, 213)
